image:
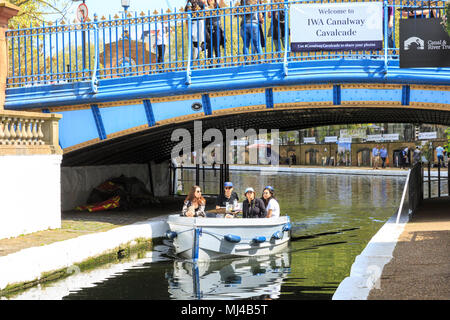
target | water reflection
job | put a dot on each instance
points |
(244, 278)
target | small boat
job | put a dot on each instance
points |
(216, 237)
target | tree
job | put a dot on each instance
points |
(34, 12)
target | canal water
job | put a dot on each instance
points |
(333, 216)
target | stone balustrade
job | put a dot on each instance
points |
(24, 132)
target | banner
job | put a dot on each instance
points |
(423, 43)
(331, 139)
(427, 135)
(337, 26)
(385, 137)
(309, 140)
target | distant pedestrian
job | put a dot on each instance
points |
(383, 156)
(417, 155)
(440, 156)
(404, 158)
(375, 157)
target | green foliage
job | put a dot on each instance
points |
(447, 132)
(447, 16)
(34, 12)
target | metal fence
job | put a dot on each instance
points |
(183, 40)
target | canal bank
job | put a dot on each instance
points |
(404, 261)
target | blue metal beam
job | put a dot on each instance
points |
(336, 94)
(206, 102)
(243, 77)
(149, 112)
(406, 92)
(269, 98)
(98, 122)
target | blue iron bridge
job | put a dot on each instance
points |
(123, 84)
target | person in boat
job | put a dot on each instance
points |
(271, 203)
(251, 207)
(229, 196)
(194, 204)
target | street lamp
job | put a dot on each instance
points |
(125, 5)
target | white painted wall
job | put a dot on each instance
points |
(30, 194)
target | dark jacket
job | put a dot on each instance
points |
(255, 209)
(222, 200)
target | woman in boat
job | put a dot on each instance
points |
(251, 207)
(194, 204)
(271, 203)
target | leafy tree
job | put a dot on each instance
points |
(34, 12)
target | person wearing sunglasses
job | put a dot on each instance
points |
(229, 196)
(194, 204)
(270, 202)
(253, 207)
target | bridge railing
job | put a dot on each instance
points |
(165, 42)
(23, 132)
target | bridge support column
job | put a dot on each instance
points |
(30, 158)
(7, 11)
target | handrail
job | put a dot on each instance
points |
(94, 80)
(50, 54)
(400, 208)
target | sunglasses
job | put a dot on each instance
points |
(226, 188)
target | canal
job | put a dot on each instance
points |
(334, 217)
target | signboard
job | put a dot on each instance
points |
(337, 26)
(331, 139)
(427, 135)
(345, 140)
(82, 12)
(423, 43)
(309, 140)
(385, 137)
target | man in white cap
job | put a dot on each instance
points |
(251, 207)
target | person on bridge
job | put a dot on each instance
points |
(250, 29)
(440, 156)
(198, 27)
(194, 204)
(251, 207)
(216, 37)
(229, 196)
(271, 203)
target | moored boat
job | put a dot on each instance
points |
(212, 238)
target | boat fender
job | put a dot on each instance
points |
(260, 239)
(171, 234)
(287, 226)
(277, 235)
(232, 238)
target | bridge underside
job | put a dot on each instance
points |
(154, 143)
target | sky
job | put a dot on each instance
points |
(111, 7)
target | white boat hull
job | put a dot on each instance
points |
(204, 238)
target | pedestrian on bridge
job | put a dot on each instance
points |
(250, 29)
